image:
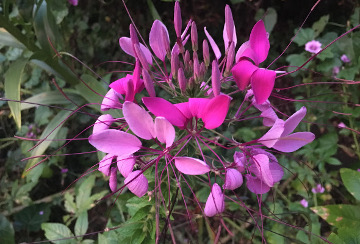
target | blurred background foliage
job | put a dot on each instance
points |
(49, 49)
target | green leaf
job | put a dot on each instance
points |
(31, 218)
(351, 180)
(355, 18)
(81, 224)
(270, 19)
(153, 11)
(305, 35)
(70, 205)
(346, 235)
(135, 204)
(83, 191)
(7, 39)
(339, 215)
(13, 78)
(6, 231)
(333, 161)
(55, 231)
(319, 25)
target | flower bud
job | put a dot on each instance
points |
(140, 55)
(215, 78)
(182, 80)
(174, 64)
(194, 37)
(133, 35)
(229, 24)
(230, 57)
(113, 179)
(149, 84)
(196, 67)
(206, 53)
(177, 19)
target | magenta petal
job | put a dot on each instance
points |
(242, 73)
(103, 123)
(226, 39)
(137, 183)
(259, 41)
(111, 101)
(164, 131)
(156, 39)
(140, 122)
(127, 46)
(261, 162)
(243, 50)
(120, 85)
(255, 185)
(293, 121)
(213, 45)
(294, 141)
(262, 83)
(233, 179)
(277, 171)
(197, 105)
(240, 161)
(184, 109)
(115, 142)
(162, 108)
(273, 135)
(125, 164)
(215, 204)
(269, 116)
(191, 166)
(113, 179)
(215, 111)
(105, 163)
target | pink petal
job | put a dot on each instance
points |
(125, 164)
(240, 53)
(213, 45)
(226, 39)
(215, 203)
(127, 46)
(215, 111)
(105, 163)
(259, 41)
(113, 179)
(164, 131)
(293, 121)
(262, 83)
(137, 183)
(240, 161)
(103, 123)
(162, 108)
(233, 179)
(115, 142)
(269, 116)
(197, 105)
(191, 166)
(111, 101)
(242, 72)
(294, 141)
(156, 39)
(261, 161)
(277, 171)
(184, 109)
(138, 83)
(140, 122)
(119, 85)
(273, 135)
(255, 185)
(175, 50)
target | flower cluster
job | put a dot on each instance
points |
(157, 131)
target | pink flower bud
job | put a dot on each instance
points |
(215, 78)
(194, 37)
(202, 70)
(230, 57)
(113, 179)
(182, 80)
(174, 64)
(149, 84)
(187, 60)
(215, 203)
(196, 67)
(304, 203)
(206, 53)
(229, 24)
(130, 94)
(140, 55)
(177, 19)
(133, 35)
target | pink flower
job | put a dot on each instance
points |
(73, 2)
(245, 71)
(313, 46)
(304, 203)
(318, 189)
(345, 58)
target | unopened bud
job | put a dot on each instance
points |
(133, 35)
(182, 80)
(129, 91)
(230, 57)
(149, 84)
(196, 68)
(194, 37)
(215, 78)
(187, 60)
(229, 24)
(140, 55)
(202, 70)
(206, 53)
(174, 64)
(177, 19)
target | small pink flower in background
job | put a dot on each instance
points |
(336, 70)
(304, 203)
(341, 125)
(345, 58)
(73, 2)
(318, 189)
(313, 46)
(358, 170)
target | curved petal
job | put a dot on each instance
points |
(259, 41)
(162, 108)
(140, 122)
(262, 83)
(156, 41)
(277, 171)
(215, 203)
(103, 123)
(125, 164)
(226, 38)
(242, 72)
(164, 131)
(105, 163)
(120, 85)
(213, 45)
(243, 51)
(293, 121)
(137, 183)
(184, 109)
(111, 100)
(215, 111)
(255, 185)
(127, 46)
(273, 135)
(269, 116)
(113, 179)
(115, 142)
(233, 179)
(191, 166)
(240, 161)
(261, 162)
(197, 105)
(294, 141)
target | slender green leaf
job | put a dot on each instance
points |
(153, 11)
(13, 78)
(351, 179)
(81, 224)
(8, 40)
